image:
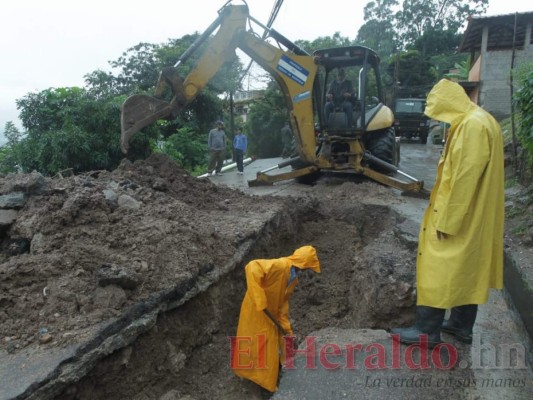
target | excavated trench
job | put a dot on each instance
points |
(367, 260)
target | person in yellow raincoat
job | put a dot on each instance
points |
(258, 348)
(460, 250)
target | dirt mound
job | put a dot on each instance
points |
(79, 250)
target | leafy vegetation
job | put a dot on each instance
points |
(523, 101)
(65, 128)
(267, 117)
(184, 146)
(461, 70)
(413, 73)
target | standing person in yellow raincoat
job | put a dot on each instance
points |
(460, 248)
(258, 347)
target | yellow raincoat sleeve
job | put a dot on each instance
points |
(469, 156)
(254, 275)
(284, 318)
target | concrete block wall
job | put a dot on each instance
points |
(495, 95)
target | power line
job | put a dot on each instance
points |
(271, 19)
(274, 13)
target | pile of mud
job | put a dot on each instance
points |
(76, 251)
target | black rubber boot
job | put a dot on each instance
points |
(461, 322)
(428, 321)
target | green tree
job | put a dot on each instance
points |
(185, 147)
(379, 36)
(440, 48)
(437, 42)
(12, 133)
(324, 42)
(419, 16)
(101, 85)
(461, 70)
(138, 67)
(414, 73)
(50, 108)
(9, 152)
(68, 128)
(443, 63)
(379, 31)
(267, 117)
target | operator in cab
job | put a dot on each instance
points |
(340, 95)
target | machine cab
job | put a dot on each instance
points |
(350, 88)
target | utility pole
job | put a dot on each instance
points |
(397, 75)
(513, 133)
(231, 122)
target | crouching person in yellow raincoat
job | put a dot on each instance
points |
(460, 247)
(258, 348)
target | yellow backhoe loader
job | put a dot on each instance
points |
(363, 142)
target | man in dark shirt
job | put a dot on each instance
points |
(340, 94)
(216, 143)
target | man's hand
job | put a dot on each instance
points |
(441, 235)
(298, 338)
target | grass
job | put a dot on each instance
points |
(521, 229)
(511, 212)
(511, 182)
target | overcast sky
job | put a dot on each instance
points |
(54, 43)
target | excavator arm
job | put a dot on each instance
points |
(139, 111)
(294, 71)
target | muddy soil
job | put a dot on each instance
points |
(80, 250)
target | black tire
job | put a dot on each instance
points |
(308, 179)
(423, 138)
(382, 144)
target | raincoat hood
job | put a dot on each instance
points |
(305, 258)
(447, 102)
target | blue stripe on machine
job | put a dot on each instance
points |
(293, 70)
(301, 96)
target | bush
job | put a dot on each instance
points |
(187, 147)
(523, 101)
(523, 104)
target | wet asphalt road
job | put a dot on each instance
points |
(417, 160)
(420, 161)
